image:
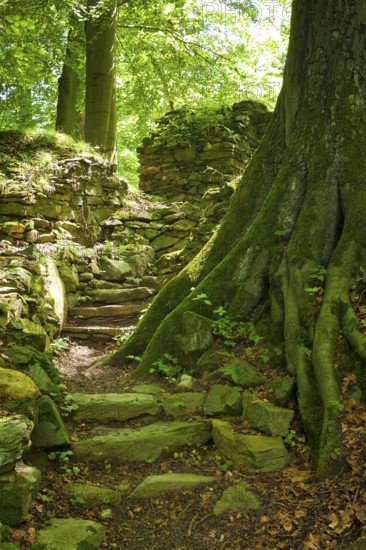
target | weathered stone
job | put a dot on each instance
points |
(126, 310)
(113, 270)
(22, 278)
(240, 372)
(164, 241)
(114, 407)
(237, 498)
(187, 154)
(282, 389)
(16, 385)
(120, 296)
(27, 355)
(69, 276)
(223, 399)
(93, 494)
(34, 334)
(50, 430)
(14, 440)
(151, 389)
(156, 485)
(186, 381)
(17, 489)
(209, 361)
(196, 337)
(146, 444)
(70, 534)
(55, 288)
(41, 379)
(265, 416)
(183, 404)
(255, 452)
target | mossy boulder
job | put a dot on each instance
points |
(241, 373)
(69, 276)
(41, 379)
(222, 399)
(237, 498)
(50, 430)
(121, 446)
(70, 534)
(156, 485)
(209, 361)
(183, 404)
(16, 385)
(255, 452)
(265, 416)
(114, 270)
(14, 440)
(282, 389)
(20, 356)
(17, 489)
(196, 337)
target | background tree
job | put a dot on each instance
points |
(298, 209)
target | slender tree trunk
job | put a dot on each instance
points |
(100, 102)
(69, 115)
(300, 205)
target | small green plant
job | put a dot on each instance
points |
(293, 440)
(68, 405)
(202, 298)
(44, 498)
(73, 470)
(134, 358)
(78, 500)
(167, 366)
(59, 345)
(283, 232)
(63, 456)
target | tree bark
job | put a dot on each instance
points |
(100, 101)
(69, 111)
(300, 205)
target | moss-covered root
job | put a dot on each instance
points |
(326, 332)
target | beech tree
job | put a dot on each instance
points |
(100, 89)
(300, 208)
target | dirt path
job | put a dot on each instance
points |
(295, 512)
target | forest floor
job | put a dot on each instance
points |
(296, 512)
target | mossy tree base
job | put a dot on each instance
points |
(300, 206)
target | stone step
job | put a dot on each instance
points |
(103, 332)
(107, 312)
(113, 407)
(120, 296)
(147, 444)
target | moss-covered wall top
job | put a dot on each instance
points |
(193, 151)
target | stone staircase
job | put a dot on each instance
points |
(109, 313)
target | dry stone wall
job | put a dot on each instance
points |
(214, 158)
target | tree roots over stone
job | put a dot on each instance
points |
(300, 207)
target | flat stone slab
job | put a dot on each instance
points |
(94, 494)
(108, 312)
(255, 452)
(222, 399)
(70, 534)
(169, 483)
(185, 403)
(265, 416)
(121, 446)
(114, 407)
(237, 498)
(120, 296)
(241, 373)
(151, 389)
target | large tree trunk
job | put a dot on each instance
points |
(300, 205)
(69, 112)
(100, 101)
